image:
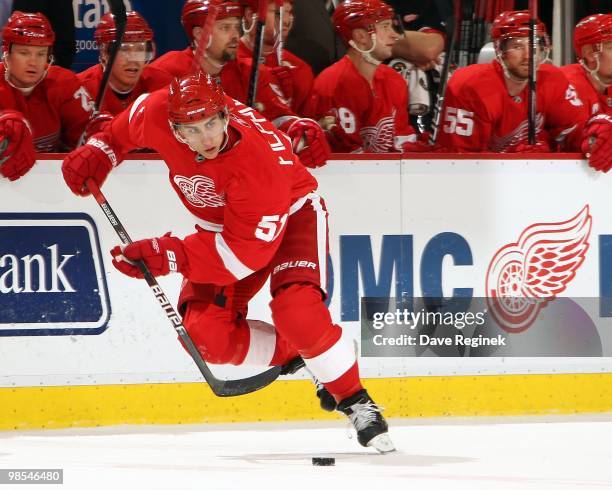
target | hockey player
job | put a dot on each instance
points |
(592, 75)
(131, 75)
(257, 215)
(368, 99)
(220, 61)
(43, 108)
(293, 75)
(486, 104)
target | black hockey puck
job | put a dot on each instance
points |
(324, 461)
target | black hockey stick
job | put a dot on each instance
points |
(220, 387)
(117, 8)
(531, 94)
(262, 8)
(451, 34)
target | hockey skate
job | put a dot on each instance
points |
(371, 426)
(326, 400)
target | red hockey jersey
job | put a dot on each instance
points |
(151, 79)
(58, 108)
(370, 118)
(594, 101)
(242, 198)
(234, 80)
(303, 78)
(480, 115)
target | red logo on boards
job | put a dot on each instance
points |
(525, 275)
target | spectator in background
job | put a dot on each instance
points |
(592, 75)
(44, 107)
(61, 17)
(131, 75)
(313, 37)
(368, 99)
(293, 76)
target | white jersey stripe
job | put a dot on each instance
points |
(262, 344)
(315, 199)
(334, 362)
(231, 262)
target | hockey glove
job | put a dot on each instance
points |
(94, 160)
(597, 142)
(161, 255)
(97, 124)
(17, 154)
(309, 142)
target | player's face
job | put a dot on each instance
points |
(604, 53)
(272, 22)
(206, 136)
(225, 37)
(516, 55)
(605, 62)
(287, 19)
(386, 37)
(129, 63)
(27, 64)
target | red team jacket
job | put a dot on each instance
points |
(303, 78)
(244, 196)
(480, 115)
(234, 80)
(151, 79)
(58, 109)
(594, 101)
(372, 119)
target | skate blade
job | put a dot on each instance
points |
(382, 443)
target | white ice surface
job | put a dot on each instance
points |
(560, 453)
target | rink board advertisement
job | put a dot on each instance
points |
(407, 237)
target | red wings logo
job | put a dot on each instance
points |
(524, 276)
(199, 191)
(379, 138)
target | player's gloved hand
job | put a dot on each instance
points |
(161, 255)
(309, 142)
(94, 160)
(17, 153)
(97, 124)
(597, 142)
(284, 77)
(525, 147)
(422, 145)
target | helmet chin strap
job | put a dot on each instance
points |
(595, 72)
(367, 53)
(507, 72)
(215, 64)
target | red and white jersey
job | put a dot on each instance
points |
(480, 115)
(370, 119)
(302, 76)
(242, 198)
(58, 108)
(595, 102)
(151, 79)
(234, 78)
